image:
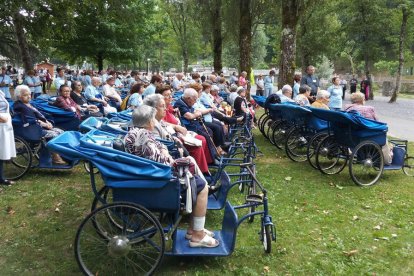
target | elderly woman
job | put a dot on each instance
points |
(303, 97)
(24, 108)
(65, 102)
(6, 137)
(168, 131)
(285, 94)
(358, 104)
(322, 100)
(366, 111)
(77, 97)
(135, 96)
(141, 142)
(335, 90)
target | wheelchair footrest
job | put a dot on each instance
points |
(254, 198)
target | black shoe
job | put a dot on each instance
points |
(7, 182)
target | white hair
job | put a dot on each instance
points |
(20, 89)
(153, 100)
(190, 93)
(286, 88)
(142, 115)
(322, 94)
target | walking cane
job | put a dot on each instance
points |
(208, 134)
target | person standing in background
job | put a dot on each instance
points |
(268, 83)
(296, 85)
(260, 85)
(311, 80)
(5, 82)
(353, 84)
(335, 92)
(365, 87)
(343, 84)
(8, 148)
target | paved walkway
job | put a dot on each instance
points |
(399, 116)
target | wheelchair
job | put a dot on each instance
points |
(31, 150)
(128, 236)
(357, 141)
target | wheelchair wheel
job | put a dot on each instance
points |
(296, 144)
(261, 118)
(331, 158)
(86, 166)
(265, 126)
(266, 237)
(366, 164)
(18, 166)
(137, 248)
(408, 167)
(279, 134)
(311, 150)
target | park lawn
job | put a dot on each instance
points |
(326, 225)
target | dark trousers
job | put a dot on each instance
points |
(221, 117)
(1, 171)
(218, 132)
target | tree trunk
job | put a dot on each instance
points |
(245, 37)
(288, 43)
(99, 61)
(22, 41)
(403, 33)
(216, 20)
(185, 59)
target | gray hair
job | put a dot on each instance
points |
(357, 97)
(286, 88)
(153, 100)
(190, 93)
(322, 94)
(20, 89)
(96, 79)
(143, 115)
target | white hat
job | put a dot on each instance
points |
(240, 89)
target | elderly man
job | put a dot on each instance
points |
(191, 119)
(92, 95)
(285, 94)
(322, 99)
(311, 80)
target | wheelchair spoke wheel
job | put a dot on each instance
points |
(311, 148)
(408, 167)
(18, 166)
(279, 134)
(267, 238)
(265, 125)
(261, 119)
(366, 164)
(296, 144)
(136, 248)
(331, 158)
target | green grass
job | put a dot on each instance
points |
(326, 225)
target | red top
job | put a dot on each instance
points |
(170, 117)
(68, 104)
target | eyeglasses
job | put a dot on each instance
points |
(168, 96)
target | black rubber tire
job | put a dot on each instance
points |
(366, 164)
(86, 165)
(408, 167)
(18, 166)
(137, 250)
(331, 157)
(312, 146)
(296, 144)
(260, 121)
(279, 134)
(267, 238)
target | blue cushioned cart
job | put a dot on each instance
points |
(130, 233)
